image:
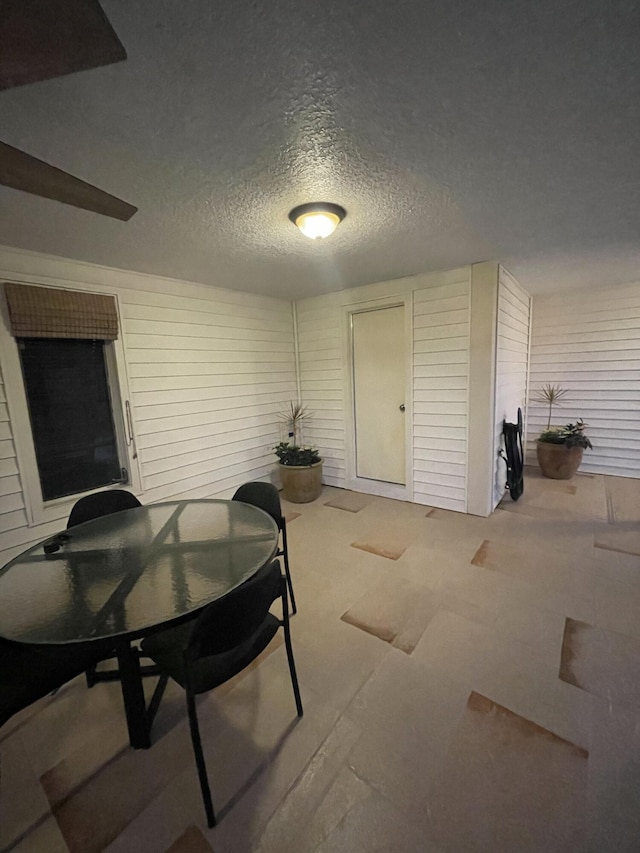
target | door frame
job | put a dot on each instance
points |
(352, 481)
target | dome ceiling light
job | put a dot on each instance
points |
(317, 219)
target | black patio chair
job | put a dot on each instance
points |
(87, 508)
(227, 636)
(101, 503)
(265, 496)
(27, 673)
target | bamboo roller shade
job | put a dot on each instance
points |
(45, 312)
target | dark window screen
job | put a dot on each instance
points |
(71, 416)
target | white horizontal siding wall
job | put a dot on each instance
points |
(207, 378)
(512, 363)
(440, 383)
(589, 343)
(441, 390)
(321, 381)
(208, 370)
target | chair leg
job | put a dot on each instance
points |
(199, 756)
(287, 643)
(285, 554)
(90, 675)
(156, 698)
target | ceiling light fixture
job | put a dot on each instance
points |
(317, 219)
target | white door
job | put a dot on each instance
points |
(379, 385)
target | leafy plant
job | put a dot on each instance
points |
(570, 435)
(292, 417)
(291, 454)
(550, 395)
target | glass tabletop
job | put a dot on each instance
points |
(126, 573)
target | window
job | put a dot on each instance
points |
(65, 380)
(69, 400)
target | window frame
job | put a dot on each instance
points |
(37, 510)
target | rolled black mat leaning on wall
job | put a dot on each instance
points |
(514, 457)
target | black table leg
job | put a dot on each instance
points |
(133, 695)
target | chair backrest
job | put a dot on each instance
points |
(101, 503)
(225, 624)
(263, 495)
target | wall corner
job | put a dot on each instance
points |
(482, 379)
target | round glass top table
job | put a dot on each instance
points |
(122, 576)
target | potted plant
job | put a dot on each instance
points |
(560, 450)
(300, 466)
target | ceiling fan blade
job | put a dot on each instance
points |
(42, 39)
(21, 171)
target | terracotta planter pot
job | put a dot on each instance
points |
(301, 483)
(557, 461)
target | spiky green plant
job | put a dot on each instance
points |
(550, 395)
(293, 416)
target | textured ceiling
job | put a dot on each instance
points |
(451, 131)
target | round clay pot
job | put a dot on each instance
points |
(557, 461)
(301, 483)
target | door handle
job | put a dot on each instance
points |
(401, 407)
